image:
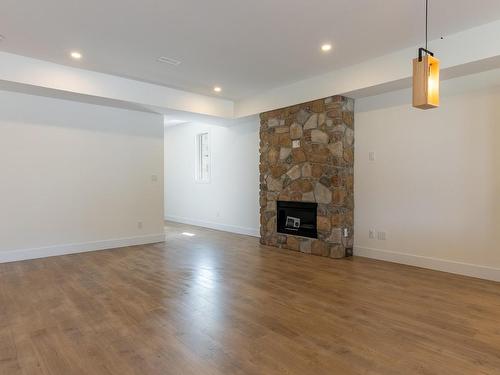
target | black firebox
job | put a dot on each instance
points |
(298, 218)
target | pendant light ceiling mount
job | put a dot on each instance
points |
(425, 74)
(421, 51)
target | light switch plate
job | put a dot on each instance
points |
(296, 143)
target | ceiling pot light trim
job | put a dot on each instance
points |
(326, 47)
(76, 55)
(217, 89)
(425, 74)
(168, 60)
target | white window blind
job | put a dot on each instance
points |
(203, 157)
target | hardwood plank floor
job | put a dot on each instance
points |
(219, 303)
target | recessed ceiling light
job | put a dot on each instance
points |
(217, 89)
(76, 55)
(326, 47)
(188, 234)
(168, 60)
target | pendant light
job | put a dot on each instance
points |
(425, 74)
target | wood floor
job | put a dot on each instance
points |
(218, 303)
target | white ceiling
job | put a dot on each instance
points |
(246, 47)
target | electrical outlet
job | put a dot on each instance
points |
(139, 225)
(381, 236)
(371, 234)
(371, 155)
(154, 178)
(346, 232)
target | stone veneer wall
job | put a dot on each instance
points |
(320, 170)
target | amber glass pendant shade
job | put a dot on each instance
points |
(426, 82)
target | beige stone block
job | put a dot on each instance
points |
(323, 223)
(318, 136)
(335, 236)
(312, 123)
(298, 155)
(322, 194)
(306, 170)
(319, 248)
(285, 152)
(318, 153)
(305, 246)
(349, 136)
(282, 129)
(308, 197)
(274, 184)
(321, 118)
(348, 118)
(317, 170)
(294, 172)
(337, 251)
(273, 122)
(271, 225)
(337, 149)
(349, 155)
(272, 155)
(339, 196)
(296, 131)
(292, 243)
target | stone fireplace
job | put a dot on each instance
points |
(297, 218)
(307, 156)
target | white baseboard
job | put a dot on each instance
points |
(49, 251)
(466, 269)
(208, 224)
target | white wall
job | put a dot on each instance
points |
(231, 200)
(434, 187)
(76, 177)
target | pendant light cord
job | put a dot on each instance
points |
(426, 21)
(421, 50)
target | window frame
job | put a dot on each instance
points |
(198, 171)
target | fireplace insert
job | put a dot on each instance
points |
(297, 218)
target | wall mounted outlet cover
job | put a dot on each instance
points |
(296, 143)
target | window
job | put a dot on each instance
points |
(202, 158)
